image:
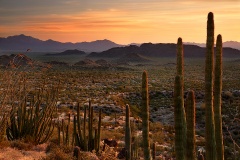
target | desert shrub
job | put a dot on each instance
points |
(21, 145)
(61, 152)
(4, 144)
(112, 134)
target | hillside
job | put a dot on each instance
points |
(133, 57)
(15, 60)
(67, 53)
(87, 63)
(161, 50)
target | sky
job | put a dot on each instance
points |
(121, 21)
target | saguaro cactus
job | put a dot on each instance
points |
(190, 117)
(128, 134)
(217, 99)
(145, 117)
(180, 119)
(180, 57)
(210, 127)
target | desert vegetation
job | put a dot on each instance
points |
(179, 108)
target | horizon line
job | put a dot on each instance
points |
(132, 43)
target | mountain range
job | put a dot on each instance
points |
(109, 49)
(159, 50)
(23, 42)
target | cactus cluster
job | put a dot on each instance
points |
(80, 138)
(185, 141)
(33, 122)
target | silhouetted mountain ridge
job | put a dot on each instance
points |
(231, 44)
(23, 42)
(160, 50)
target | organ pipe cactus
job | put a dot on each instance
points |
(217, 99)
(128, 134)
(179, 119)
(145, 117)
(190, 118)
(33, 123)
(90, 142)
(210, 127)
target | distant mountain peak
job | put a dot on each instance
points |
(19, 36)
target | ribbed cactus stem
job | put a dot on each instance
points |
(67, 135)
(217, 100)
(99, 129)
(75, 130)
(90, 120)
(190, 117)
(180, 57)
(84, 129)
(63, 130)
(128, 133)
(59, 135)
(95, 139)
(79, 123)
(210, 127)
(154, 151)
(145, 117)
(179, 119)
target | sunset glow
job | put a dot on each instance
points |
(120, 21)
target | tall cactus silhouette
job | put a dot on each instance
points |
(217, 99)
(128, 134)
(179, 112)
(180, 57)
(190, 118)
(210, 127)
(179, 119)
(145, 117)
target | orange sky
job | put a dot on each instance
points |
(120, 21)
